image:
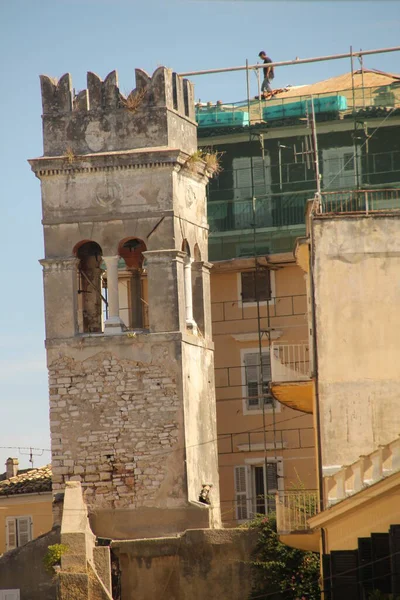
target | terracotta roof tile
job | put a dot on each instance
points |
(367, 79)
(31, 481)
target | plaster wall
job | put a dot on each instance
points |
(195, 565)
(376, 516)
(357, 294)
(200, 423)
(235, 328)
(23, 569)
(36, 506)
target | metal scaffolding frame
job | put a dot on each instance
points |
(313, 152)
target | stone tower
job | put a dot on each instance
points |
(127, 303)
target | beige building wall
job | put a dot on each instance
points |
(235, 331)
(357, 295)
(36, 506)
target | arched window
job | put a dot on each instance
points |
(90, 298)
(190, 323)
(132, 284)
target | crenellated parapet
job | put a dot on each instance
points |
(159, 112)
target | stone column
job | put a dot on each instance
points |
(202, 297)
(190, 323)
(60, 279)
(114, 323)
(166, 294)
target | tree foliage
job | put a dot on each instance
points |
(281, 572)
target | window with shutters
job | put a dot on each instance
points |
(255, 285)
(256, 377)
(18, 531)
(252, 177)
(339, 168)
(255, 488)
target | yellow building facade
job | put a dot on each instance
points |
(25, 505)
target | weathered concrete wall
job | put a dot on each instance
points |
(85, 572)
(196, 565)
(357, 295)
(201, 426)
(23, 569)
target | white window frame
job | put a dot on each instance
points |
(337, 178)
(247, 491)
(10, 594)
(246, 409)
(242, 304)
(13, 523)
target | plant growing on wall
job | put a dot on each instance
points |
(281, 572)
(211, 158)
(52, 558)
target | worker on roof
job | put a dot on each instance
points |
(268, 74)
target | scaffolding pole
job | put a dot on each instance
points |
(296, 61)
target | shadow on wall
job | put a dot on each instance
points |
(23, 569)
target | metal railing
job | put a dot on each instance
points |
(236, 114)
(290, 362)
(360, 201)
(293, 509)
(271, 210)
(276, 306)
(256, 441)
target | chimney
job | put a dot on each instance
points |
(12, 467)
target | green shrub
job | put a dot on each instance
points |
(281, 572)
(53, 556)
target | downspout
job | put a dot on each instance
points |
(315, 361)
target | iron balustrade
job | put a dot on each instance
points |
(270, 211)
(254, 441)
(365, 99)
(360, 201)
(293, 509)
(276, 307)
(290, 362)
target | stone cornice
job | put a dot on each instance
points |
(59, 264)
(142, 158)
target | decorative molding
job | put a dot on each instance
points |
(253, 337)
(108, 193)
(59, 264)
(260, 446)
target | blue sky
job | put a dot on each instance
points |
(53, 37)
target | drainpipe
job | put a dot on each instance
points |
(315, 359)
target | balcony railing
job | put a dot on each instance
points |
(290, 362)
(269, 211)
(366, 100)
(365, 471)
(293, 509)
(360, 201)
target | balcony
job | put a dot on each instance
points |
(360, 201)
(292, 384)
(293, 509)
(364, 472)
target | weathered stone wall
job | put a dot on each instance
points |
(99, 118)
(23, 569)
(117, 413)
(114, 423)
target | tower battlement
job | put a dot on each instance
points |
(158, 112)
